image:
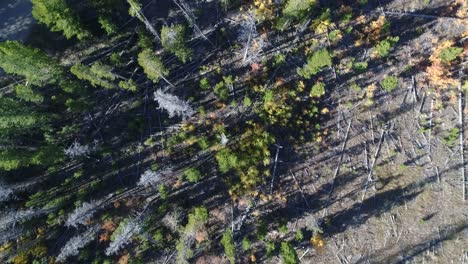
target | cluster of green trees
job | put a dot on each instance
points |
(249, 158)
(50, 108)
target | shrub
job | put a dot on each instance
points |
(192, 175)
(288, 254)
(315, 63)
(389, 83)
(270, 248)
(356, 87)
(226, 160)
(383, 47)
(107, 24)
(299, 235)
(144, 40)
(163, 192)
(247, 101)
(128, 85)
(283, 228)
(205, 84)
(360, 66)
(229, 248)
(449, 54)
(335, 35)
(245, 244)
(451, 137)
(318, 90)
(203, 143)
(222, 88)
(279, 59)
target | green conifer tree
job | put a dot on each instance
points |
(58, 16)
(31, 63)
(173, 40)
(152, 65)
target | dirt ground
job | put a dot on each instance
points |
(411, 210)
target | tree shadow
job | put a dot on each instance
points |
(410, 252)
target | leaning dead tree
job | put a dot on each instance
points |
(135, 11)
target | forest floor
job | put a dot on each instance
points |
(402, 203)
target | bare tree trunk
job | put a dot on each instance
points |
(371, 169)
(278, 147)
(337, 170)
(460, 124)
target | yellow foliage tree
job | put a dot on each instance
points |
(438, 73)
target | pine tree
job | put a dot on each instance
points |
(26, 93)
(173, 40)
(152, 65)
(315, 63)
(16, 121)
(58, 16)
(295, 10)
(15, 117)
(31, 63)
(98, 74)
